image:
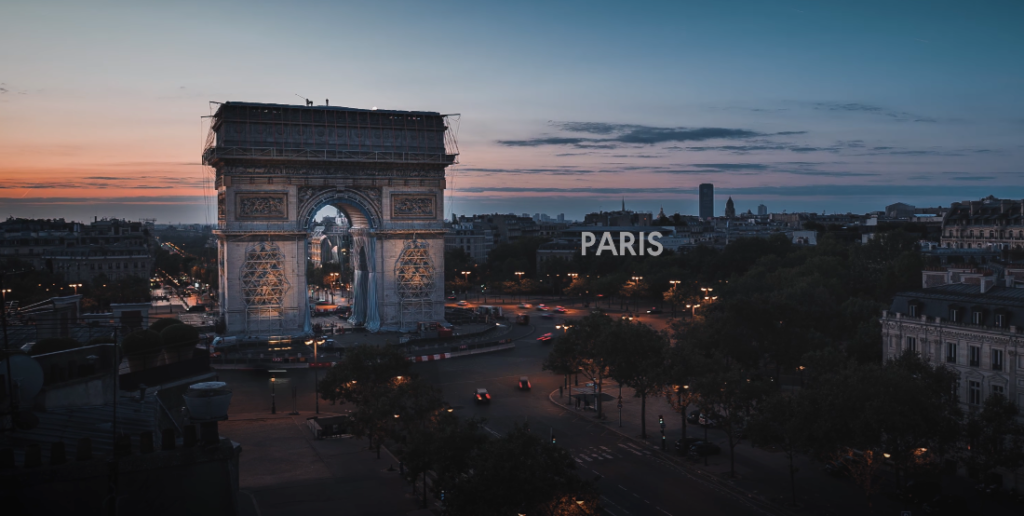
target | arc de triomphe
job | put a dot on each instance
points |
(278, 165)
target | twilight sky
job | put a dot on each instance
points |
(567, 107)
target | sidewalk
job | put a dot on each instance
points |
(760, 473)
(283, 471)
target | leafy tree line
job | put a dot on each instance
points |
(902, 415)
(474, 474)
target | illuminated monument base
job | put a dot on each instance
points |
(277, 166)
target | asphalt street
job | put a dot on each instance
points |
(633, 480)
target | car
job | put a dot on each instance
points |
(683, 445)
(545, 338)
(452, 298)
(547, 315)
(948, 504)
(482, 396)
(693, 417)
(654, 310)
(196, 309)
(525, 305)
(702, 448)
(839, 468)
(597, 311)
(560, 310)
(542, 307)
(462, 303)
(708, 421)
(524, 383)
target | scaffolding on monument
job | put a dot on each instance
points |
(263, 287)
(414, 272)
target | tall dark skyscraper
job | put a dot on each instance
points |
(707, 201)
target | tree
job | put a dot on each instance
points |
(418, 410)
(520, 473)
(782, 421)
(728, 395)
(681, 368)
(638, 360)
(993, 437)
(368, 377)
(591, 343)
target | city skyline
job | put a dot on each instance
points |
(564, 109)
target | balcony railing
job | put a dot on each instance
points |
(218, 152)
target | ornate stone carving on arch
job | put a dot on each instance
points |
(311, 198)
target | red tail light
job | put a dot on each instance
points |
(478, 397)
(488, 396)
(520, 385)
(528, 386)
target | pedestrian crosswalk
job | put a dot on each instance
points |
(593, 454)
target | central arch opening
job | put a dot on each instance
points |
(339, 267)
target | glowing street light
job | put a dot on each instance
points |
(75, 286)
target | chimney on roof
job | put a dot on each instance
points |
(327, 102)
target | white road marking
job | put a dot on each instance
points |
(588, 458)
(609, 456)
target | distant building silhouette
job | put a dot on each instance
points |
(730, 209)
(762, 210)
(706, 195)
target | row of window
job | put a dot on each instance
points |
(991, 234)
(974, 391)
(956, 314)
(973, 353)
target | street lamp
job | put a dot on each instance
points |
(519, 277)
(273, 395)
(636, 301)
(693, 312)
(465, 278)
(316, 376)
(674, 284)
(75, 286)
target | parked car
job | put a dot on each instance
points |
(838, 468)
(709, 421)
(702, 448)
(950, 505)
(597, 311)
(654, 310)
(482, 396)
(544, 339)
(683, 445)
(524, 383)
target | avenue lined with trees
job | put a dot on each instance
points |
(471, 472)
(789, 356)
